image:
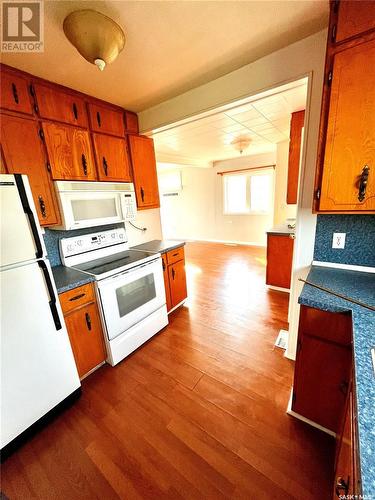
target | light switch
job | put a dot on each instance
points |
(338, 240)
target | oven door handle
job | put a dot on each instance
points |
(127, 271)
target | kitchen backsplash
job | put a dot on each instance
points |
(359, 244)
(52, 237)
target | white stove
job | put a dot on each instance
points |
(129, 286)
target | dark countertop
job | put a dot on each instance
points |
(159, 246)
(67, 278)
(281, 229)
(360, 286)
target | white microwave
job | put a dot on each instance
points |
(90, 204)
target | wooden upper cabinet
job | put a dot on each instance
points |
(112, 158)
(144, 171)
(54, 104)
(69, 151)
(24, 154)
(354, 18)
(15, 93)
(348, 179)
(295, 141)
(131, 122)
(106, 119)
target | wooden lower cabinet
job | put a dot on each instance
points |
(279, 260)
(174, 277)
(84, 328)
(29, 159)
(323, 369)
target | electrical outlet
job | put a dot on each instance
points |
(338, 240)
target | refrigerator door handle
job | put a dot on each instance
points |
(52, 302)
(30, 214)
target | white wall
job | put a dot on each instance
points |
(145, 218)
(303, 58)
(282, 211)
(197, 212)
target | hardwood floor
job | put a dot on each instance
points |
(197, 412)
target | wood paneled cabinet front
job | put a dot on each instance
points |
(279, 260)
(295, 142)
(345, 178)
(69, 152)
(30, 159)
(144, 171)
(112, 158)
(323, 366)
(55, 104)
(106, 119)
(174, 277)
(84, 328)
(14, 94)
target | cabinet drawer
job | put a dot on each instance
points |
(175, 255)
(60, 106)
(334, 327)
(15, 93)
(77, 297)
(107, 120)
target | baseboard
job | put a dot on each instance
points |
(228, 242)
(278, 288)
(347, 267)
(177, 306)
(304, 419)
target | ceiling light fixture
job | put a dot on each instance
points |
(241, 143)
(96, 37)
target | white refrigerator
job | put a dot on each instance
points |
(38, 371)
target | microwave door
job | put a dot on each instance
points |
(131, 297)
(82, 210)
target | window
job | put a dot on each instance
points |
(248, 193)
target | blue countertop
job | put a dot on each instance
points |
(67, 278)
(359, 286)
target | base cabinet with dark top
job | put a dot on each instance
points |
(323, 387)
(85, 332)
(279, 260)
(174, 277)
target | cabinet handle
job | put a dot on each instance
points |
(163, 265)
(142, 194)
(105, 166)
(342, 487)
(84, 164)
(42, 206)
(98, 119)
(15, 93)
(76, 297)
(363, 183)
(344, 387)
(75, 111)
(88, 321)
(173, 273)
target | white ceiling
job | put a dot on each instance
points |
(172, 46)
(266, 121)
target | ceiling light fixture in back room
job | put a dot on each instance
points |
(241, 143)
(96, 37)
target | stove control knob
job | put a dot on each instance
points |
(113, 235)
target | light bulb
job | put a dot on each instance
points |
(100, 64)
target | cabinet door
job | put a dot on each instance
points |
(107, 120)
(56, 105)
(348, 182)
(279, 260)
(86, 337)
(131, 122)
(344, 469)
(144, 171)
(355, 17)
(177, 282)
(166, 283)
(112, 158)
(295, 141)
(24, 154)
(321, 380)
(15, 93)
(69, 152)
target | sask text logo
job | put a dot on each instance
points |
(22, 26)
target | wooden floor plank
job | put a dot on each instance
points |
(198, 412)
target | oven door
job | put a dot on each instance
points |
(89, 209)
(131, 296)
